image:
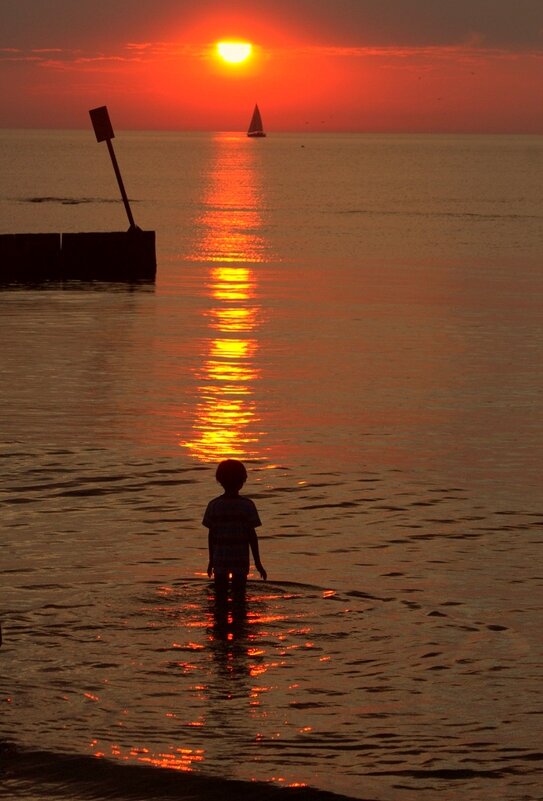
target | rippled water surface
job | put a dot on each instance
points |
(359, 319)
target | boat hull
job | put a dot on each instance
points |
(256, 134)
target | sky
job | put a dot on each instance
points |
(473, 66)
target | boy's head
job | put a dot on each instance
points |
(231, 474)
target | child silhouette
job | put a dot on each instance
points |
(231, 519)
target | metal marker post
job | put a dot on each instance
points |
(104, 133)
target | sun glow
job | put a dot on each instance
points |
(234, 52)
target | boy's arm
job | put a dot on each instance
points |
(210, 549)
(253, 542)
(208, 523)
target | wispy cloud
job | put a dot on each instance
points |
(409, 52)
(148, 52)
(131, 52)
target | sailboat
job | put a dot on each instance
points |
(255, 126)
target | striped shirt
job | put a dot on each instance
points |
(230, 520)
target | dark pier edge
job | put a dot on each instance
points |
(115, 256)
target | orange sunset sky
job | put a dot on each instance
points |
(317, 65)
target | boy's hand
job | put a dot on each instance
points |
(210, 570)
(261, 570)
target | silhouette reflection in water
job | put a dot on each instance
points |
(226, 417)
(229, 616)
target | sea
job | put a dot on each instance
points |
(359, 319)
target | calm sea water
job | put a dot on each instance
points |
(360, 319)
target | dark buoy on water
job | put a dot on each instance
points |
(114, 256)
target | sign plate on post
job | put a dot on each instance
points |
(101, 124)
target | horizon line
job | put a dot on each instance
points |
(243, 132)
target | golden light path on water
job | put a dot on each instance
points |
(226, 417)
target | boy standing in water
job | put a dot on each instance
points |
(231, 519)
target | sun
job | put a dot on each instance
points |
(234, 52)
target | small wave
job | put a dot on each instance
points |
(31, 773)
(463, 215)
(448, 774)
(69, 201)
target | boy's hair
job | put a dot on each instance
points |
(230, 473)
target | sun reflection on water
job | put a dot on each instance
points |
(233, 657)
(225, 415)
(182, 759)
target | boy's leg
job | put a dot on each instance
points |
(239, 585)
(221, 586)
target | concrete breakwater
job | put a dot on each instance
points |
(116, 256)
